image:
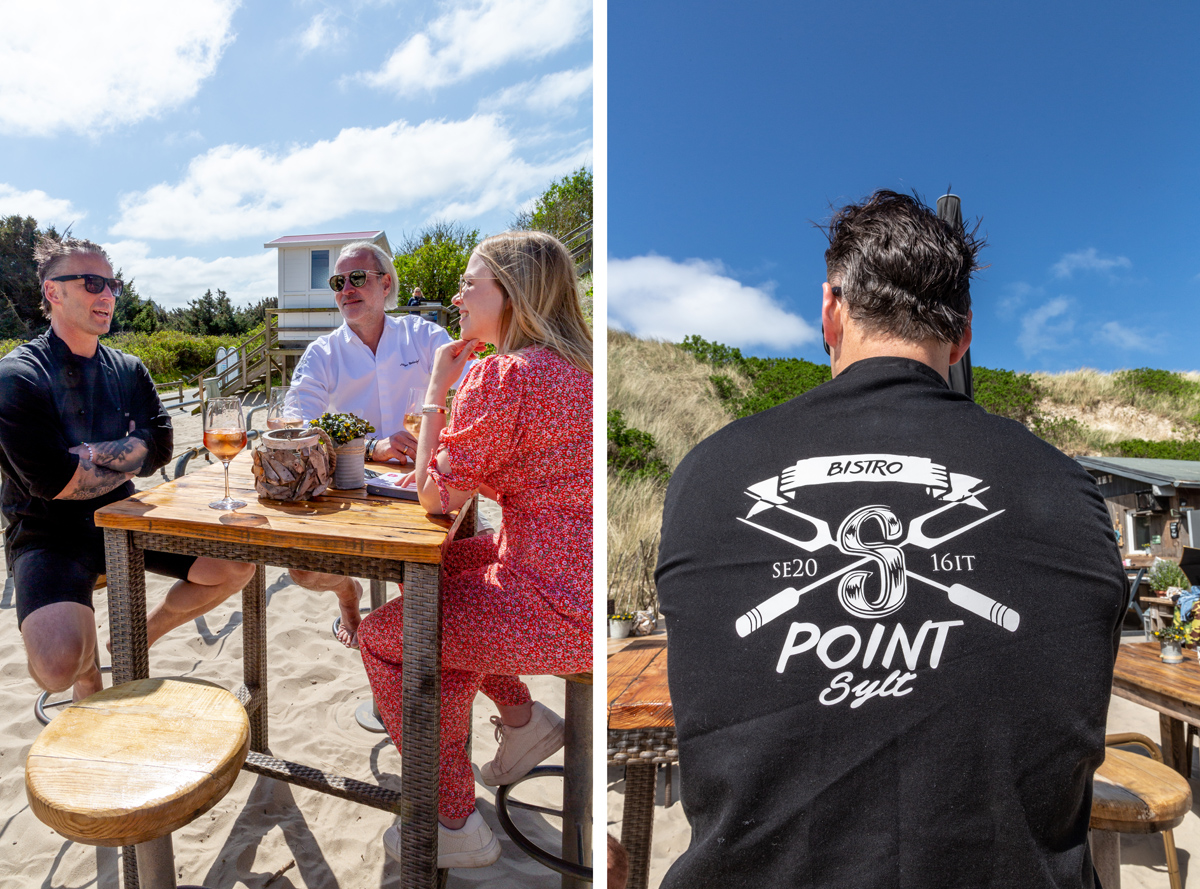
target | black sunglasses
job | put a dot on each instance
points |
(358, 278)
(95, 283)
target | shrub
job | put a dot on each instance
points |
(1007, 393)
(772, 380)
(631, 452)
(1159, 450)
(1155, 382)
(169, 354)
(1166, 574)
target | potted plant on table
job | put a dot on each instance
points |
(1172, 639)
(620, 624)
(347, 432)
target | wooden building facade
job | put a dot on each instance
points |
(1152, 503)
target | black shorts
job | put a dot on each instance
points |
(42, 577)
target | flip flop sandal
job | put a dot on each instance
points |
(337, 628)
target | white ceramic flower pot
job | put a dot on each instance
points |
(619, 629)
(1172, 653)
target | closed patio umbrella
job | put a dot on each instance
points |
(949, 209)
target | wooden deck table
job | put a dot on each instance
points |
(1171, 689)
(340, 532)
(641, 737)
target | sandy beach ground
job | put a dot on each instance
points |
(263, 833)
(1143, 861)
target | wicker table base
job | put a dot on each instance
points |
(641, 752)
(416, 804)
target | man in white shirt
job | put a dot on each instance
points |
(366, 368)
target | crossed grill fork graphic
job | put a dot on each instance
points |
(962, 596)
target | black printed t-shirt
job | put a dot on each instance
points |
(892, 619)
(50, 401)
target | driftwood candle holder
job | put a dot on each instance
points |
(294, 464)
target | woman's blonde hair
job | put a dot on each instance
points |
(537, 274)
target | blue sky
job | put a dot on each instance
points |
(1071, 129)
(185, 141)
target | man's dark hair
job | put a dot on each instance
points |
(902, 271)
(51, 252)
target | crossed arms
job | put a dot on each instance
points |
(105, 466)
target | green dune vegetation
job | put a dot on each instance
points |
(664, 398)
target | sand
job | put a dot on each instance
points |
(1143, 862)
(263, 832)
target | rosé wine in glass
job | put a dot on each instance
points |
(225, 436)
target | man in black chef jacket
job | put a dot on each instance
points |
(893, 616)
(78, 421)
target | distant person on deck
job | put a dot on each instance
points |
(417, 297)
(365, 367)
(893, 615)
(78, 421)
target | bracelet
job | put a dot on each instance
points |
(91, 453)
(432, 409)
(371, 442)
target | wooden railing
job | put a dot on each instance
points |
(579, 242)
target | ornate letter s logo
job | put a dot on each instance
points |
(852, 591)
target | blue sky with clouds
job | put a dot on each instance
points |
(184, 141)
(1071, 129)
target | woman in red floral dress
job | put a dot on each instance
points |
(519, 601)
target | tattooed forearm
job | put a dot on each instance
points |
(91, 481)
(125, 455)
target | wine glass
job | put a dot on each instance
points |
(224, 436)
(412, 413)
(282, 410)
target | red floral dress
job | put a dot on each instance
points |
(519, 601)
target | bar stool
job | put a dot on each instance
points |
(1135, 794)
(130, 764)
(575, 861)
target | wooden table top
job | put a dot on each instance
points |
(135, 762)
(1174, 689)
(340, 522)
(638, 697)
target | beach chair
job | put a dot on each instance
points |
(131, 764)
(576, 812)
(1135, 794)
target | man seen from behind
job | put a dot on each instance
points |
(893, 616)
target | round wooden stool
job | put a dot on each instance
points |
(130, 764)
(1135, 794)
(575, 862)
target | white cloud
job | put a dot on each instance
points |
(545, 95)
(172, 281)
(451, 169)
(473, 37)
(114, 63)
(1088, 261)
(58, 212)
(321, 33)
(1047, 328)
(1113, 333)
(653, 296)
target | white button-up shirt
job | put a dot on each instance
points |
(339, 374)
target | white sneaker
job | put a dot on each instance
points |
(472, 845)
(523, 748)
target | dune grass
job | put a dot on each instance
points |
(662, 390)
